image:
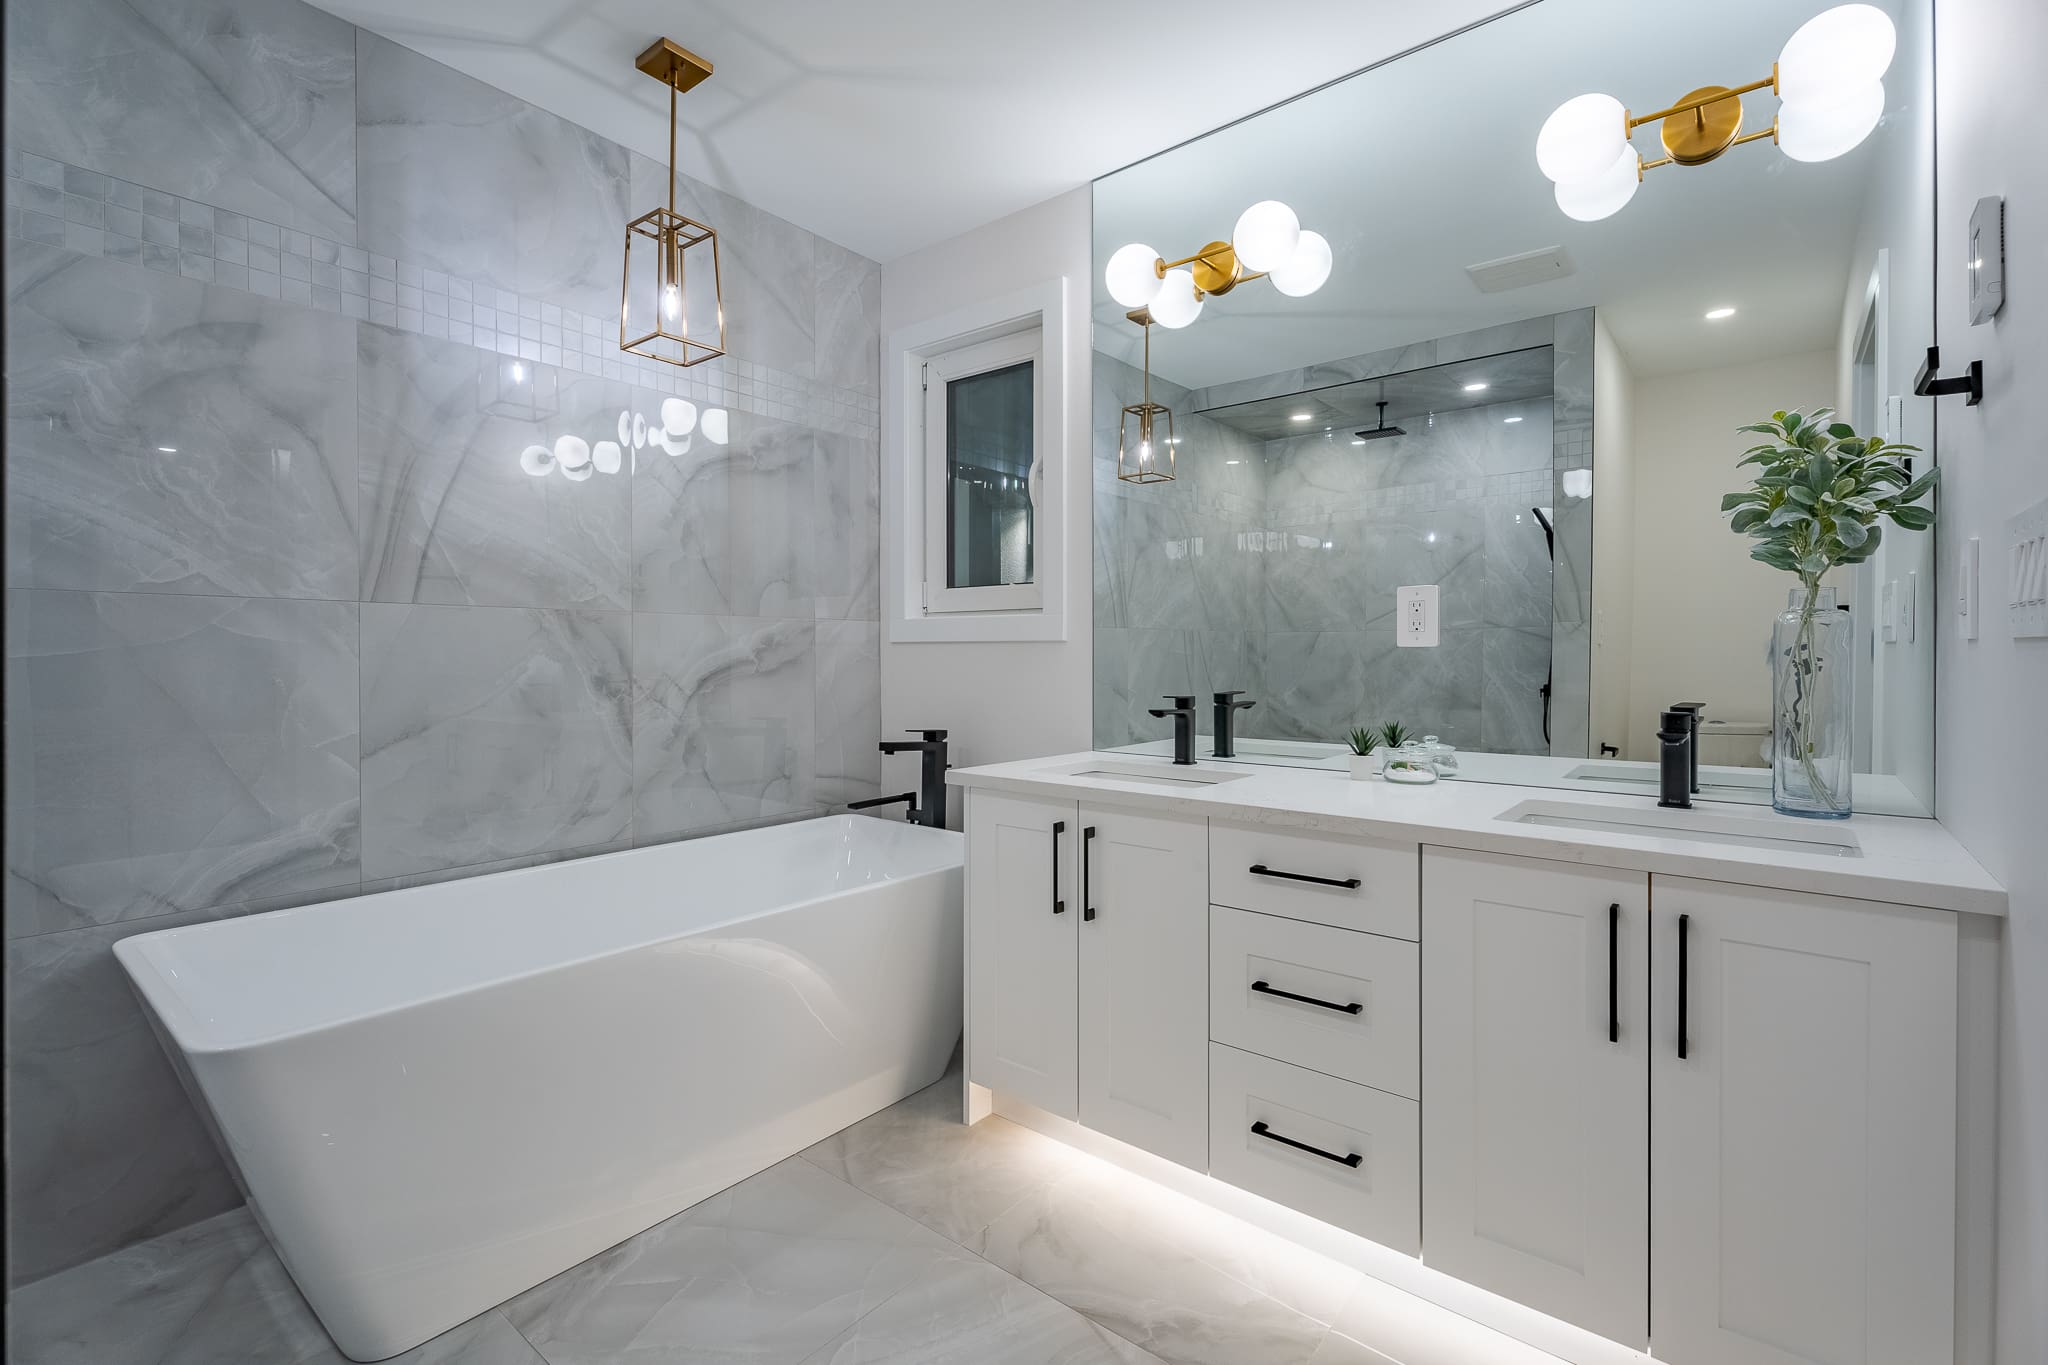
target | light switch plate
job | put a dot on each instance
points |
(1909, 607)
(1415, 616)
(1968, 608)
(1888, 611)
(2026, 576)
(1987, 259)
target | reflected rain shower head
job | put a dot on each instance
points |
(1382, 430)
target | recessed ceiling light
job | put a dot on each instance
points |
(1510, 420)
(1303, 416)
(1476, 388)
(1716, 314)
(168, 450)
(1358, 441)
(1233, 462)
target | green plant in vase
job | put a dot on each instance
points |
(1394, 734)
(1815, 505)
(1363, 741)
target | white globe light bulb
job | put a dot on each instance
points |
(537, 461)
(572, 452)
(1306, 269)
(1176, 305)
(1835, 54)
(1265, 236)
(1809, 131)
(713, 425)
(578, 474)
(1603, 195)
(1582, 138)
(605, 455)
(678, 416)
(1132, 275)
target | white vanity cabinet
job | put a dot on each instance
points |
(1088, 967)
(1780, 1190)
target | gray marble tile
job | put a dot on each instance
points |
(1571, 659)
(845, 528)
(732, 530)
(971, 1311)
(848, 317)
(724, 721)
(919, 1159)
(164, 436)
(491, 732)
(1518, 589)
(213, 1293)
(1136, 669)
(1319, 685)
(246, 104)
(104, 1147)
(457, 177)
(1131, 1257)
(1433, 691)
(176, 753)
(1146, 555)
(449, 513)
(451, 874)
(849, 714)
(1515, 665)
(768, 1271)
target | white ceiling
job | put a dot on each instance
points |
(1427, 165)
(887, 125)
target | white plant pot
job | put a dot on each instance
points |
(1365, 766)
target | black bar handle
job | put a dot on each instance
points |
(1264, 988)
(1059, 827)
(1261, 870)
(1971, 381)
(1684, 921)
(1087, 903)
(1350, 1159)
(1614, 972)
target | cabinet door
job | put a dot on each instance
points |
(1535, 1084)
(1022, 915)
(1803, 1210)
(1145, 982)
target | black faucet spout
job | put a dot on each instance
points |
(1183, 713)
(1675, 747)
(929, 807)
(1227, 706)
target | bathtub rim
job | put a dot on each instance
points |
(164, 1001)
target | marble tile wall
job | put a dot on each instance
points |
(288, 620)
(1271, 566)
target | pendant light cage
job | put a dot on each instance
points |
(1146, 448)
(671, 282)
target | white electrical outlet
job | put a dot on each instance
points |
(1968, 609)
(1415, 616)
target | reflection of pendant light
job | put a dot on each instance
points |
(518, 389)
(1149, 458)
(1829, 80)
(655, 300)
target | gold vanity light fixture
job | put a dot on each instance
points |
(1267, 243)
(1150, 457)
(1829, 80)
(665, 250)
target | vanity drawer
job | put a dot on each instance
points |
(1311, 876)
(1362, 1015)
(1352, 1155)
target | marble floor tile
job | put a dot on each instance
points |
(971, 1313)
(1119, 1251)
(918, 1158)
(1396, 1325)
(176, 753)
(768, 1271)
(246, 104)
(167, 436)
(210, 1294)
(492, 732)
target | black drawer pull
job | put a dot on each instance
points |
(1684, 923)
(1348, 883)
(1087, 881)
(1350, 1159)
(1264, 989)
(1059, 827)
(1614, 972)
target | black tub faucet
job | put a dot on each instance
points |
(1226, 704)
(1675, 758)
(1183, 713)
(928, 805)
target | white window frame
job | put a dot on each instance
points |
(939, 371)
(987, 335)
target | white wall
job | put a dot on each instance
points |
(1704, 635)
(1614, 539)
(1006, 700)
(1991, 739)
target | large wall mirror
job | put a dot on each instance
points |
(1534, 413)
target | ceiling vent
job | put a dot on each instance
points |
(1519, 272)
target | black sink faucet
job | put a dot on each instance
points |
(1675, 758)
(1226, 703)
(1692, 750)
(1183, 713)
(928, 805)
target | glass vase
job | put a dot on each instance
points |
(1813, 705)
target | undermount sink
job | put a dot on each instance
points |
(1776, 834)
(1158, 774)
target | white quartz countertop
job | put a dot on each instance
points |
(1902, 861)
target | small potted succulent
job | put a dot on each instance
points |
(1364, 762)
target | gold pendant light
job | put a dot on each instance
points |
(668, 256)
(1150, 457)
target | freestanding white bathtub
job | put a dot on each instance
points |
(437, 1098)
